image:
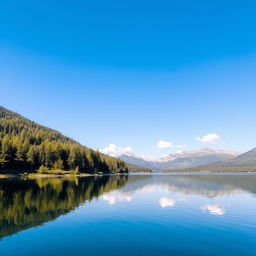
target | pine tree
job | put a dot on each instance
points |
(33, 157)
(58, 165)
(24, 143)
(7, 152)
(73, 160)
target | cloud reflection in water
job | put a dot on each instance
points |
(213, 209)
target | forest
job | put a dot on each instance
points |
(26, 146)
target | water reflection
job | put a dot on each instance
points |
(28, 203)
(176, 188)
(166, 202)
(115, 197)
(204, 185)
(213, 209)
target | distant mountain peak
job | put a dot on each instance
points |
(181, 159)
(245, 162)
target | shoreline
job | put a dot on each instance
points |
(35, 175)
(63, 175)
(52, 174)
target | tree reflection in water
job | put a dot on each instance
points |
(32, 202)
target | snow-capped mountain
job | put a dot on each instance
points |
(181, 159)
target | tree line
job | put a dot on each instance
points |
(25, 144)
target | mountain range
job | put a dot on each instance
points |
(181, 159)
(28, 146)
(245, 162)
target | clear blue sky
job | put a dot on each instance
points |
(132, 73)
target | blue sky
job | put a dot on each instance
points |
(132, 73)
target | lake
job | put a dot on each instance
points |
(193, 214)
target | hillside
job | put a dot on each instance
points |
(136, 168)
(182, 159)
(27, 146)
(137, 161)
(243, 163)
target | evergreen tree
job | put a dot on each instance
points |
(58, 165)
(24, 143)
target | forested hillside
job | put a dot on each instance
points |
(136, 168)
(28, 146)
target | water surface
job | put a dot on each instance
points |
(129, 215)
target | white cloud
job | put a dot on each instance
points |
(166, 202)
(115, 151)
(149, 158)
(164, 144)
(211, 138)
(181, 146)
(213, 209)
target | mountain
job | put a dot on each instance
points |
(245, 162)
(139, 161)
(26, 146)
(137, 168)
(182, 159)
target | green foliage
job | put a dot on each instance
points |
(58, 165)
(25, 145)
(136, 168)
(42, 169)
